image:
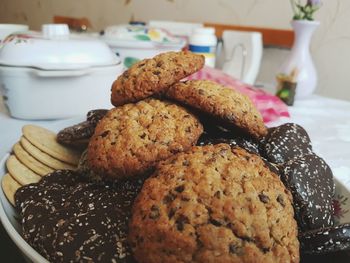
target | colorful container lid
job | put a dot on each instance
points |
(54, 48)
(140, 36)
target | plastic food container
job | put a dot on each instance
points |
(203, 41)
(136, 42)
(53, 74)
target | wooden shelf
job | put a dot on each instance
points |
(271, 37)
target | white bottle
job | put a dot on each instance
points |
(203, 41)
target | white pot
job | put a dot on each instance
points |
(31, 93)
(53, 74)
(7, 29)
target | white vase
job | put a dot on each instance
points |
(299, 61)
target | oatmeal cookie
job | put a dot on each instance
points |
(154, 76)
(131, 139)
(214, 204)
(230, 107)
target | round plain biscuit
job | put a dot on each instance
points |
(9, 186)
(20, 172)
(30, 161)
(45, 140)
(43, 157)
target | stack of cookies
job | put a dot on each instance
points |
(36, 154)
(176, 172)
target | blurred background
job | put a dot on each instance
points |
(330, 45)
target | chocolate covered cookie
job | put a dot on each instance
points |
(78, 135)
(130, 140)
(214, 204)
(310, 181)
(67, 219)
(229, 107)
(286, 142)
(153, 76)
(326, 240)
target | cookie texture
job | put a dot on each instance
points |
(286, 142)
(232, 108)
(154, 76)
(67, 219)
(326, 240)
(33, 164)
(131, 139)
(43, 157)
(310, 181)
(45, 140)
(214, 204)
(21, 173)
(9, 187)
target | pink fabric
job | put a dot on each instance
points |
(270, 106)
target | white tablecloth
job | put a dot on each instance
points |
(326, 120)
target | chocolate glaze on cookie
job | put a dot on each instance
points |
(310, 181)
(326, 240)
(79, 134)
(68, 219)
(286, 142)
(94, 116)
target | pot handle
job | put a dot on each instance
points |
(60, 73)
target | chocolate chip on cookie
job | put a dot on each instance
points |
(153, 76)
(286, 142)
(228, 106)
(213, 204)
(326, 240)
(310, 181)
(130, 140)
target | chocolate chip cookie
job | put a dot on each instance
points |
(214, 204)
(131, 139)
(310, 181)
(154, 76)
(228, 106)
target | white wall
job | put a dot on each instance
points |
(330, 46)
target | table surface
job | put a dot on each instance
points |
(326, 120)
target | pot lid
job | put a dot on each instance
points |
(54, 48)
(140, 36)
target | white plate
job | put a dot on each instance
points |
(9, 216)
